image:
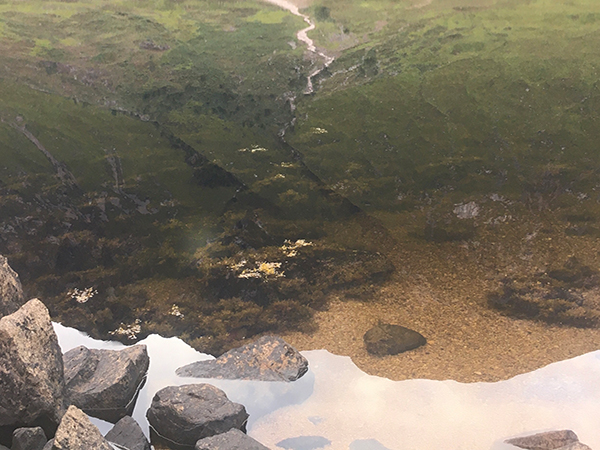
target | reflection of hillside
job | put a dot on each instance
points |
(451, 146)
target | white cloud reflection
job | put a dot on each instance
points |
(336, 402)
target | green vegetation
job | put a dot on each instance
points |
(169, 190)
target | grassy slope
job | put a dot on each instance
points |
(186, 98)
(494, 102)
(478, 101)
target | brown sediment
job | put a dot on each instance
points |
(466, 341)
(442, 294)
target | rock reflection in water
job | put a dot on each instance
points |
(304, 443)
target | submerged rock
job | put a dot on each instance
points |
(11, 292)
(76, 432)
(185, 414)
(31, 371)
(32, 438)
(127, 433)
(385, 339)
(105, 383)
(234, 439)
(270, 358)
(550, 440)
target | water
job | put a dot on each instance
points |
(336, 402)
(302, 36)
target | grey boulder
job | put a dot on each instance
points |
(76, 432)
(185, 414)
(11, 292)
(105, 383)
(32, 438)
(269, 358)
(549, 440)
(234, 439)
(385, 339)
(575, 446)
(128, 434)
(31, 370)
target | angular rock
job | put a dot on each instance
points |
(29, 439)
(76, 432)
(269, 358)
(234, 439)
(549, 440)
(105, 383)
(31, 371)
(185, 414)
(127, 433)
(48, 445)
(385, 339)
(575, 446)
(11, 292)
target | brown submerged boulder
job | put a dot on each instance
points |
(269, 358)
(385, 339)
(31, 371)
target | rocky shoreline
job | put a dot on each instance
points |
(47, 396)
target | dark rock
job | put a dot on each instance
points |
(76, 432)
(549, 440)
(48, 445)
(105, 383)
(31, 371)
(150, 45)
(29, 439)
(270, 358)
(11, 292)
(234, 439)
(304, 443)
(2, 447)
(185, 414)
(385, 339)
(575, 446)
(127, 433)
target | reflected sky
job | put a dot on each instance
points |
(337, 406)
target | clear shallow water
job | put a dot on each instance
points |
(337, 406)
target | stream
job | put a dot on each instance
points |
(302, 36)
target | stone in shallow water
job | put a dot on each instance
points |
(234, 439)
(385, 339)
(185, 414)
(304, 443)
(76, 432)
(270, 358)
(31, 371)
(31, 438)
(105, 383)
(127, 433)
(549, 440)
